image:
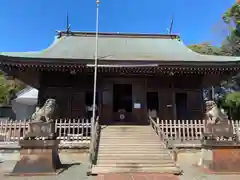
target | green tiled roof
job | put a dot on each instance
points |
(117, 47)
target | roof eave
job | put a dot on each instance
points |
(39, 60)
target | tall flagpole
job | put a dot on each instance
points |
(95, 66)
(94, 87)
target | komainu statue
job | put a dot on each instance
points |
(45, 113)
(214, 114)
(41, 124)
(216, 119)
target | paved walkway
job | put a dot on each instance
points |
(76, 172)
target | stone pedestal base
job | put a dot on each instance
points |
(38, 157)
(222, 160)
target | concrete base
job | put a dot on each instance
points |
(222, 160)
(38, 161)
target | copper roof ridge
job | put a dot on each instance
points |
(117, 34)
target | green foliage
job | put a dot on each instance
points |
(231, 17)
(233, 99)
(8, 89)
(232, 14)
(230, 47)
(205, 49)
(232, 102)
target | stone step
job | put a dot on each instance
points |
(128, 132)
(150, 138)
(114, 148)
(111, 135)
(120, 144)
(136, 165)
(163, 170)
(131, 151)
(134, 153)
(140, 157)
(131, 137)
(126, 126)
(135, 161)
(136, 140)
(127, 129)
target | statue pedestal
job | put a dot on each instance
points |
(221, 154)
(38, 158)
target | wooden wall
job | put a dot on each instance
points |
(69, 91)
(168, 86)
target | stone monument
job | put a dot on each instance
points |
(221, 147)
(39, 148)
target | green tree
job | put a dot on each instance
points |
(9, 88)
(231, 46)
(232, 102)
(205, 48)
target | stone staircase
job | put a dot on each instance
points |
(132, 149)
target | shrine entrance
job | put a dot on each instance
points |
(122, 103)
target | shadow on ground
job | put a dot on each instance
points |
(65, 167)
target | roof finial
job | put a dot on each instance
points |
(68, 25)
(171, 26)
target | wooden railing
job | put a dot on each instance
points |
(67, 130)
(187, 130)
(157, 129)
(163, 137)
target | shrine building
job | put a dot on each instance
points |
(137, 73)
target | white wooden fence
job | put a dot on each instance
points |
(68, 130)
(187, 130)
(78, 131)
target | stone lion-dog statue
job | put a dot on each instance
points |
(213, 114)
(215, 117)
(45, 113)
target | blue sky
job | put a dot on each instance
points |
(28, 25)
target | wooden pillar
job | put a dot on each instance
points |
(106, 103)
(174, 108)
(139, 97)
(166, 106)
